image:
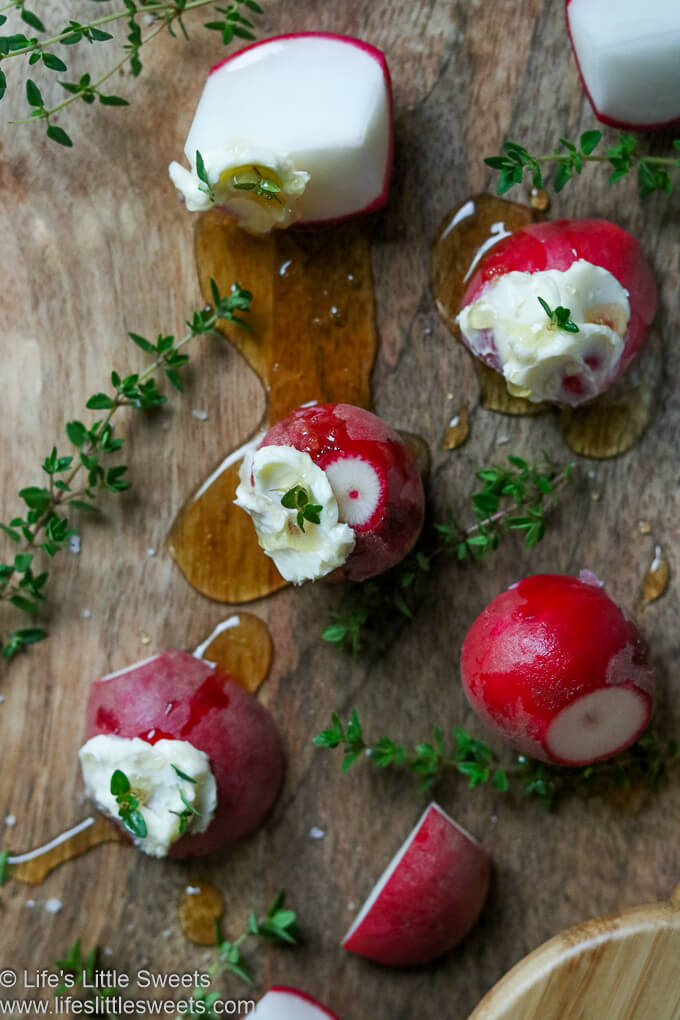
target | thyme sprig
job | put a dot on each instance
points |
(653, 172)
(298, 498)
(75, 480)
(128, 805)
(559, 316)
(279, 924)
(517, 496)
(82, 969)
(650, 760)
(261, 186)
(229, 22)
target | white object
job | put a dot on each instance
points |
(266, 475)
(310, 112)
(161, 792)
(536, 355)
(289, 1004)
(53, 905)
(628, 54)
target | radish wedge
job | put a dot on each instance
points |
(427, 899)
(281, 1003)
(310, 113)
(627, 55)
(555, 667)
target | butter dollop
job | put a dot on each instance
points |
(266, 475)
(233, 175)
(162, 793)
(536, 356)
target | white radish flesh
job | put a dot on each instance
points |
(629, 58)
(597, 725)
(358, 489)
(321, 101)
(289, 1004)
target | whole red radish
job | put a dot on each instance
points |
(177, 697)
(360, 475)
(427, 899)
(321, 152)
(595, 270)
(282, 1003)
(628, 59)
(559, 670)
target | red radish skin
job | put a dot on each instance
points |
(427, 900)
(283, 1003)
(177, 696)
(378, 56)
(612, 121)
(560, 243)
(335, 435)
(559, 670)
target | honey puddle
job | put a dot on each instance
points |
(605, 427)
(200, 907)
(34, 866)
(313, 338)
(242, 646)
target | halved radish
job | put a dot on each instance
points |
(308, 114)
(561, 672)
(373, 478)
(594, 269)
(627, 56)
(282, 1003)
(427, 899)
(177, 697)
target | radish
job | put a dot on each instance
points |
(627, 57)
(360, 475)
(560, 308)
(427, 899)
(175, 698)
(294, 128)
(560, 671)
(281, 1003)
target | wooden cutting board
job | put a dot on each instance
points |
(622, 967)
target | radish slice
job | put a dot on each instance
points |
(281, 1003)
(359, 490)
(427, 899)
(555, 667)
(627, 55)
(310, 115)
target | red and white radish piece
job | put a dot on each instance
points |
(627, 56)
(559, 670)
(373, 476)
(282, 1003)
(175, 696)
(594, 268)
(427, 899)
(310, 112)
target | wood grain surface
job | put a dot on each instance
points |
(95, 243)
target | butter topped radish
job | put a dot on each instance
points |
(559, 670)
(628, 59)
(331, 488)
(178, 753)
(560, 308)
(297, 128)
(282, 1003)
(428, 897)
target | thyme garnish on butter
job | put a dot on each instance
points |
(298, 498)
(75, 480)
(517, 496)
(653, 172)
(650, 759)
(38, 47)
(128, 805)
(560, 317)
